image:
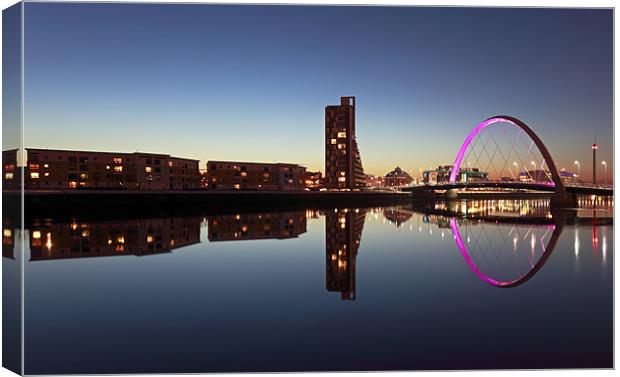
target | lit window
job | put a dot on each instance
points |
(47, 174)
(334, 141)
(342, 173)
(36, 234)
(118, 160)
(236, 186)
(33, 166)
(149, 239)
(170, 163)
(244, 174)
(342, 134)
(85, 233)
(83, 184)
(9, 167)
(34, 175)
(342, 179)
(83, 176)
(118, 168)
(148, 169)
(72, 184)
(342, 146)
(8, 176)
(107, 167)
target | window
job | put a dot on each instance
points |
(236, 186)
(342, 134)
(118, 160)
(342, 146)
(34, 175)
(157, 162)
(149, 161)
(107, 167)
(83, 159)
(148, 169)
(72, 159)
(9, 167)
(47, 174)
(33, 166)
(83, 167)
(72, 184)
(244, 174)
(118, 168)
(84, 176)
(8, 176)
(170, 163)
(333, 141)
(342, 179)
(46, 165)
(157, 169)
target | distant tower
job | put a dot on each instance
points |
(594, 148)
(343, 164)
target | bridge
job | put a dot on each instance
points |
(508, 149)
(573, 188)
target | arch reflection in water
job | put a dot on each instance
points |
(507, 254)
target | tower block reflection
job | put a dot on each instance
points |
(343, 233)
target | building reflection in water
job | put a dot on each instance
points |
(397, 216)
(79, 239)
(276, 225)
(343, 233)
(498, 242)
(8, 241)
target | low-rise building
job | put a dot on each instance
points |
(11, 173)
(235, 175)
(397, 178)
(67, 169)
(442, 174)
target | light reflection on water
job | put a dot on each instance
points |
(389, 280)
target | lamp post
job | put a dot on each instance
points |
(604, 163)
(578, 168)
(534, 170)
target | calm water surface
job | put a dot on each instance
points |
(331, 289)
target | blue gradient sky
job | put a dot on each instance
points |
(251, 82)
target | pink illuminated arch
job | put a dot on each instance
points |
(555, 176)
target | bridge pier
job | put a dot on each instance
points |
(562, 199)
(451, 194)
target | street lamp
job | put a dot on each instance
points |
(533, 171)
(605, 166)
(578, 168)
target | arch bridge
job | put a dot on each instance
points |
(542, 175)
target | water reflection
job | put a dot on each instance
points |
(343, 234)
(80, 239)
(504, 242)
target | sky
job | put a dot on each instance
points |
(250, 83)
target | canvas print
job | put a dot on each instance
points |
(204, 188)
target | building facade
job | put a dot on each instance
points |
(397, 178)
(442, 174)
(65, 169)
(343, 163)
(235, 175)
(11, 173)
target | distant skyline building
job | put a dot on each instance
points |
(397, 178)
(343, 163)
